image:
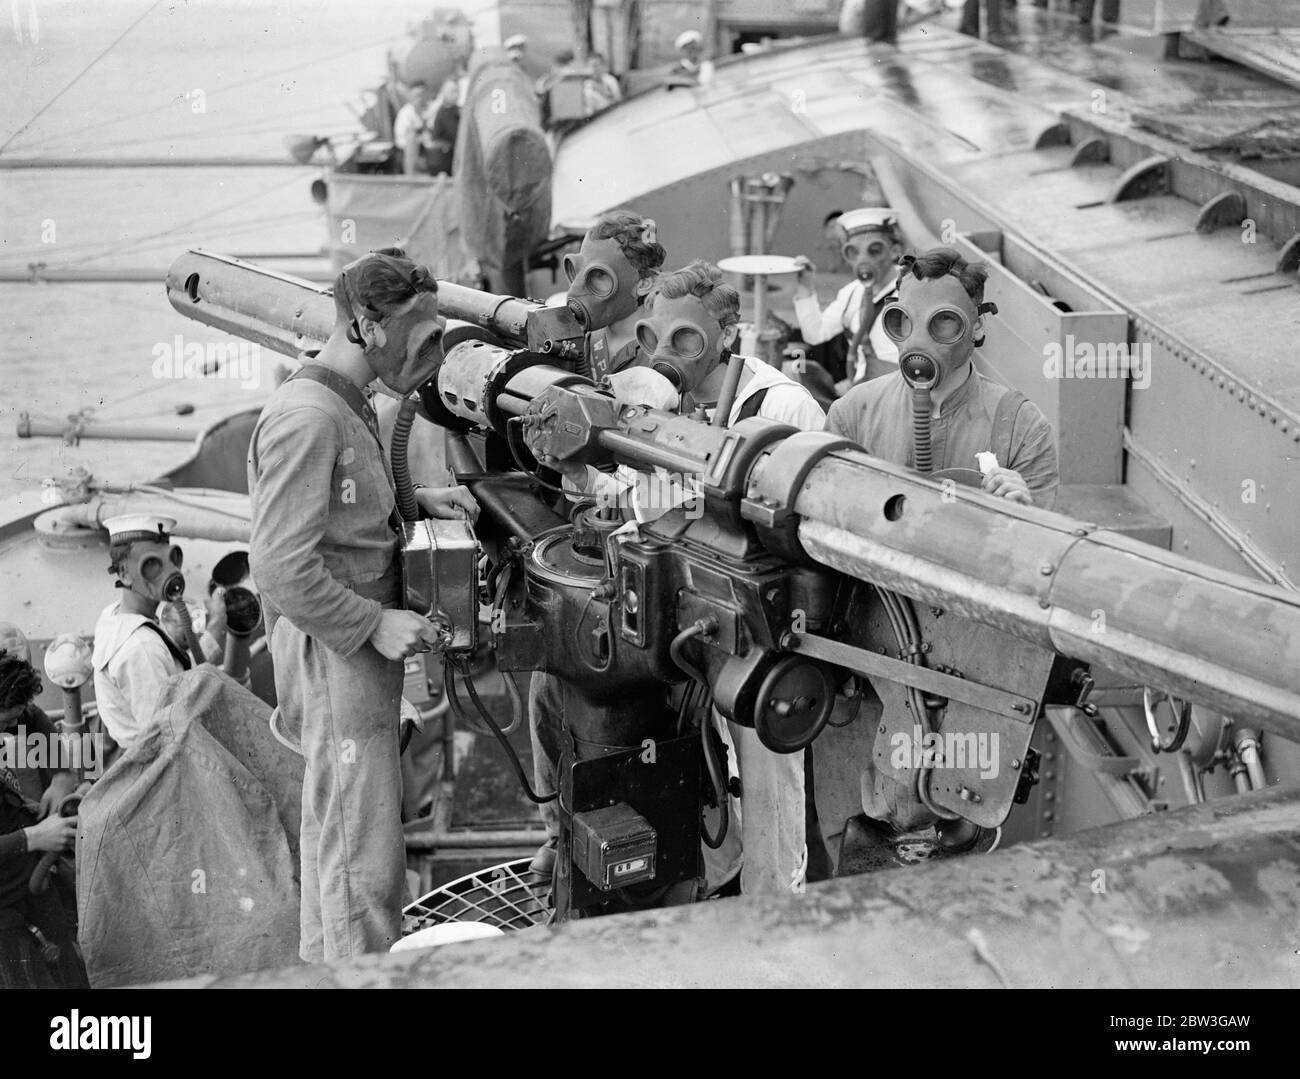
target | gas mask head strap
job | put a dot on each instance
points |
(416, 277)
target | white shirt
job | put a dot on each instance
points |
(408, 122)
(844, 315)
(132, 667)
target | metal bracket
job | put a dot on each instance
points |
(1289, 260)
(1148, 177)
(1223, 211)
(872, 664)
(1090, 152)
(1056, 135)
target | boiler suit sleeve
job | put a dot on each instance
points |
(1034, 455)
(817, 325)
(295, 454)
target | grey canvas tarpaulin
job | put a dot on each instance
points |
(417, 213)
(187, 846)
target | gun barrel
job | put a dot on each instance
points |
(1214, 637)
(289, 315)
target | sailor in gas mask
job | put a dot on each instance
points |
(939, 415)
(871, 244)
(936, 413)
(689, 328)
(609, 278)
(323, 553)
(134, 656)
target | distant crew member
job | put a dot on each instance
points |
(516, 47)
(690, 69)
(134, 656)
(871, 243)
(323, 553)
(601, 90)
(412, 130)
(443, 129)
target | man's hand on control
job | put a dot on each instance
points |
(806, 283)
(448, 503)
(1008, 483)
(404, 633)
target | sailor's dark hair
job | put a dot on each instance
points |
(19, 682)
(627, 228)
(943, 261)
(378, 284)
(704, 281)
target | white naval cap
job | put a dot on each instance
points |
(688, 37)
(867, 219)
(129, 527)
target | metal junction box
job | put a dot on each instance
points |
(614, 847)
(440, 570)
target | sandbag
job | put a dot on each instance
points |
(184, 861)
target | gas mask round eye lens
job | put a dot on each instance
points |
(875, 249)
(947, 326)
(647, 338)
(896, 322)
(850, 252)
(688, 343)
(151, 568)
(600, 282)
(570, 265)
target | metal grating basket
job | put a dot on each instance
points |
(502, 896)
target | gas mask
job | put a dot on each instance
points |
(934, 323)
(602, 284)
(153, 570)
(870, 255)
(405, 347)
(683, 341)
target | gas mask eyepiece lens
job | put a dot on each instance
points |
(947, 327)
(688, 343)
(570, 265)
(852, 252)
(896, 322)
(600, 283)
(646, 338)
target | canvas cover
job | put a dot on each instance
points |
(187, 857)
(503, 164)
(417, 213)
